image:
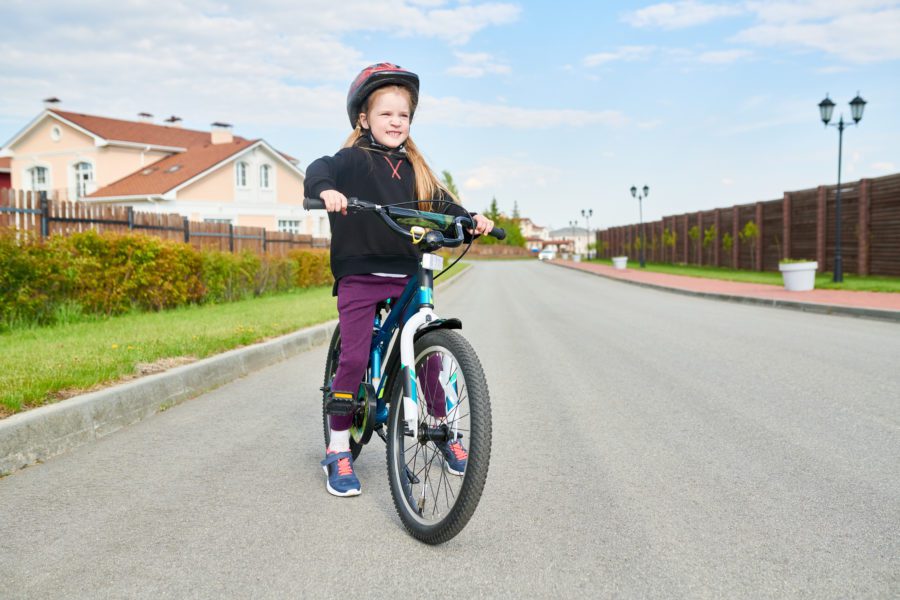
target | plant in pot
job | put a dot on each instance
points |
(799, 274)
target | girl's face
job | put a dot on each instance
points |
(388, 116)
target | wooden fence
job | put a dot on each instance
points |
(36, 212)
(800, 225)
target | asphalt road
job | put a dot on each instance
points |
(646, 445)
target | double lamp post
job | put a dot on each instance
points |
(826, 108)
(635, 194)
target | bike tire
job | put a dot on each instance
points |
(438, 515)
(331, 365)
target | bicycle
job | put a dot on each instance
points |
(416, 355)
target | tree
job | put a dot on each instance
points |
(450, 184)
(710, 236)
(516, 214)
(750, 235)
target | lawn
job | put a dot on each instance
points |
(823, 280)
(43, 365)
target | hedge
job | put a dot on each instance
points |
(109, 274)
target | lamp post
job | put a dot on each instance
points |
(587, 213)
(635, 194)
(826, 107)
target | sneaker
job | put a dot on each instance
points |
(455, 456)
(339, 477)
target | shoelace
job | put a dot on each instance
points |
(344, 467)
(458, 451)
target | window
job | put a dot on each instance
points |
(55, 133)
(289, 226)
(240, 172)
(84, 177)
(40, 178)
(216, 220)
(265, 174)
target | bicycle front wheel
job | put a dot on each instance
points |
(437, 479)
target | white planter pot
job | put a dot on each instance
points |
(620, 262)
(799, 277)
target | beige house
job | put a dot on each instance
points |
(203, 175)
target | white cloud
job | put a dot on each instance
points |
(477, 65)
(677, 15)
(622, 53)
(727, 181)
(723, 57)
(449, 111)
(887, 167)
(848, 33)
(508, 175)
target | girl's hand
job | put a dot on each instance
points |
(483, 225)
(334, 201)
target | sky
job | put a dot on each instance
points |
(553, 108)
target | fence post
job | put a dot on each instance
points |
(264, 240)
(865, 193)
(130, 218)
(759, 239)
(821, 226)
(735, 237)
(786, 225)
(231, 238)
(700, 238)
(717, 223)
(187, 230)
(45, 216)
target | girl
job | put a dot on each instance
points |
(378, 163)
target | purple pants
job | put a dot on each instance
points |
(358, 295)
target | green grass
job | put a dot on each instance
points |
(43, 365)
(851, 282)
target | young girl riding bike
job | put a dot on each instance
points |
(379, 163)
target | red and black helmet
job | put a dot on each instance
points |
(375, 76)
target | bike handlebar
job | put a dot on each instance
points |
(387, 212)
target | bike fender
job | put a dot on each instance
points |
(452, 323)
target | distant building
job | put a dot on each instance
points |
(203, 175)
(5, 172)
(571, 239)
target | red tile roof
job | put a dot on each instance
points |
(136, 131)
(170, 172)
(5, 163)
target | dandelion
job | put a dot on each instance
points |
(115, 346)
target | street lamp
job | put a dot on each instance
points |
(826, 107)
(634, 194)
(587, 214)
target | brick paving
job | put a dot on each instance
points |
(885, 305)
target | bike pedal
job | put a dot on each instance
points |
(340, 404)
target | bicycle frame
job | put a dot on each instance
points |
(413, 310)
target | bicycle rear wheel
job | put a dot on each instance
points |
(433, 503)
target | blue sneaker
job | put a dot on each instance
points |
(455, 456)
(339, 477)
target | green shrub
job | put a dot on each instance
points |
(32, 282)
(313, 268)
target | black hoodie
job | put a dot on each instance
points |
(361, 242)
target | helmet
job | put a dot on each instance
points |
(375, 76)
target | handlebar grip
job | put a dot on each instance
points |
(313, 204)
(498, 233)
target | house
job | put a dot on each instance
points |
(212, 175)
(536, 236)
(571, 239)
(4, 172)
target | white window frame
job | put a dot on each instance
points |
(266, 172)
(242, 174)
(82, 187)
(290, 225)
(29, 178)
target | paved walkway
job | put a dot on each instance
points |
(865, 304)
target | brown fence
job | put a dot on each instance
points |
(35, 212)
(800, 225)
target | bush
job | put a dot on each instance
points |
(313, 268)
(92, 274)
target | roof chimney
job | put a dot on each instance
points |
(51, 102)
(174, 121)
(145, 117)
(221, 133)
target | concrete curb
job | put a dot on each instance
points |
(812, 307)
(36, 435)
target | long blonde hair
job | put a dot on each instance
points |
(428, 186)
